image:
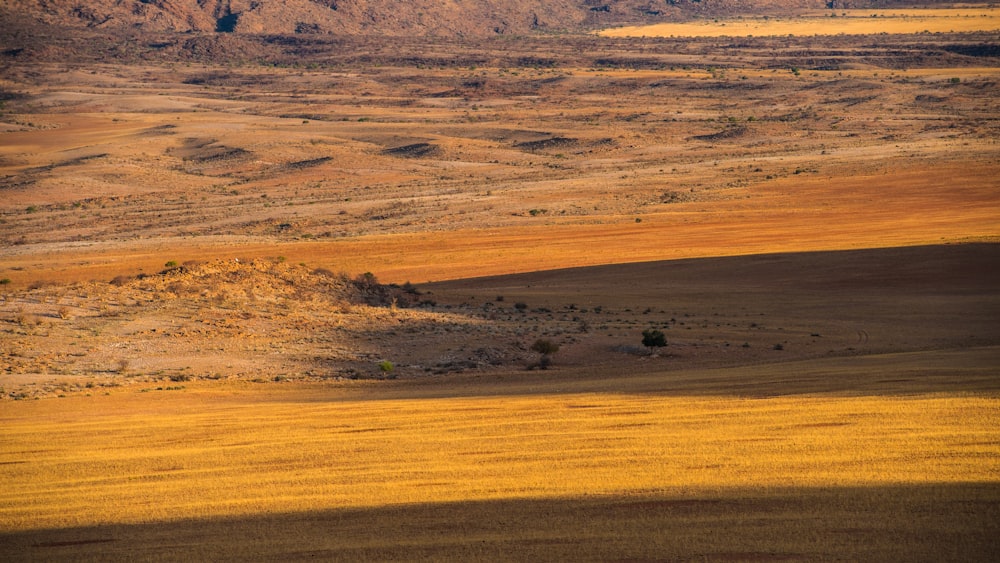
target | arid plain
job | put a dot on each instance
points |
(195, 366)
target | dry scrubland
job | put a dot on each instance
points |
(812, 223)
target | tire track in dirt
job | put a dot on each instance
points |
(863, 337)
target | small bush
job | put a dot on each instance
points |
(25, 319)
(386, 366)
(545, 347)
(652, 338)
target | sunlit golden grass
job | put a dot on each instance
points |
(848, 22)
(891, 457)
(169, 455)
(953, 202)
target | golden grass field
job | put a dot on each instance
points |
(828, 22)
(814, 230)
(517, 469)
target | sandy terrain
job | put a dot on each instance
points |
(420, 175)
(194, 250)
(403, 171)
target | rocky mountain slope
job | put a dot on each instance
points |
(382, 17)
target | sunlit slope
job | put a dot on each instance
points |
(894, 207)
(835, 22)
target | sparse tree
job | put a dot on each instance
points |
(546, 348)
(652, 338)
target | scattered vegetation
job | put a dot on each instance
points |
(569, 120)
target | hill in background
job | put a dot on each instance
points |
(416, 17)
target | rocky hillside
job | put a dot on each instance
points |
(233, 319)
(384, 17)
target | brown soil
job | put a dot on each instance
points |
(233, 219)
(430, 160)
(272, 321)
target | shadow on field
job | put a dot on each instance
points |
(970, 267)
(875, 321)
(933, 522)
(964, 371)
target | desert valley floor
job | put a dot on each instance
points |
(277, 297)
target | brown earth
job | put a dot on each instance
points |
(195, 227)
(188, 220)
(587, 152)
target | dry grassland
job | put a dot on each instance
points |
(187, 375)
(523, 474)
(830, 22)
(870, 435)
(743, 162)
